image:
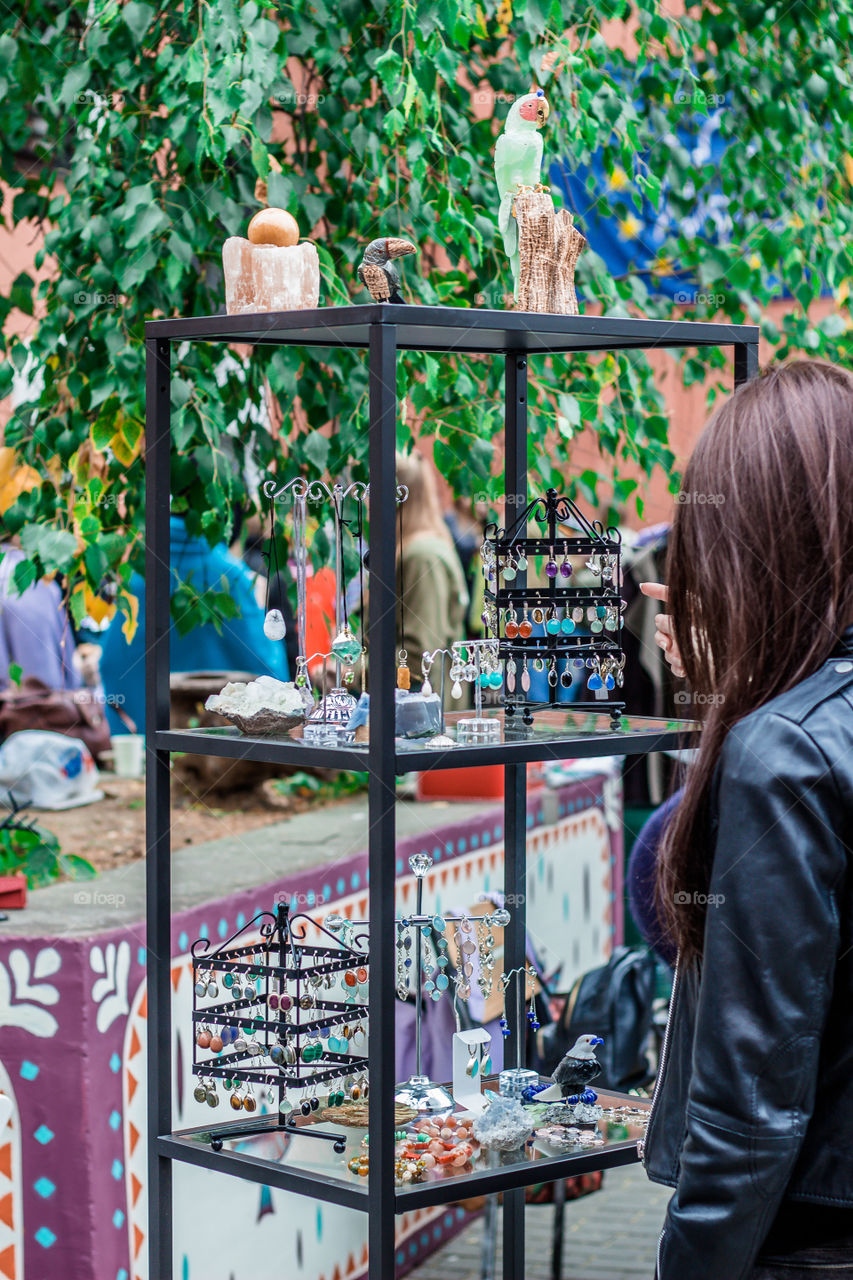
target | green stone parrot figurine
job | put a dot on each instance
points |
(518, 165)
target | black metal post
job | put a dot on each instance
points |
(515, 805)
(746, 361)
(157, 800)
(381, 796)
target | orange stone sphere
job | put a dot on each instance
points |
(273, 226)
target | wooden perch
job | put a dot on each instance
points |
(549, 246)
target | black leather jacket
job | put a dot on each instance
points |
(754, 1103)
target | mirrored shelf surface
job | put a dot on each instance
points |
(299, 1162)
(554, 735)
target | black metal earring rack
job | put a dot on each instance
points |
(519, 601)
(281, 963)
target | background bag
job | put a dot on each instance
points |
(73, 712)
(614, 1002)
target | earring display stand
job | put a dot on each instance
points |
(382, 332)
(599, 655)
(278, 1012)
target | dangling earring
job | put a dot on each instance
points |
(274, 624)
(503, 1023)
(565, 566)
(531, 1012)
(525, 629)
(345, 647)
(426, 687)
(551, 566)
(525, 677)
(511, 626)
(404, 675)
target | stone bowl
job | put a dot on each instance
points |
(262, 724)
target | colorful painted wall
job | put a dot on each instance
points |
(73, 1027)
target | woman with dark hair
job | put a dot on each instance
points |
(752, 1120)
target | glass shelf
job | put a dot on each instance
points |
(557, 734)
(453, 329)
(299, 1162)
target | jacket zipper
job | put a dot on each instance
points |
(641, 1142)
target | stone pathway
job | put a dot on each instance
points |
(609, 1235)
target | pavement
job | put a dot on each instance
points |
(611, 1234)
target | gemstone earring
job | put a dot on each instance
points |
(511, 625)
(404, 675)
(509, 569)
(552, 674)
(565, 566)
(426, 666)
(525, 678)
(552, 626)
(502, 1021)
(567, 625)
(551, 566)
(525, 630)
(531, 1012)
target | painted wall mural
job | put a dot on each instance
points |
(73, 1030)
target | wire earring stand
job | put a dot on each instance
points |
(274, 1041)
(301, 492)
(506, 555)
(419, 1091)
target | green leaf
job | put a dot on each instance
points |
(316, 450)
(76, 79)
(138, 17)
(15, 672)
(54, 547)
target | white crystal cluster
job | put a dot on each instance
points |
(504, 1125)
(263, 694)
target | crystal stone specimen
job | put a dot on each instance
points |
(268, 277)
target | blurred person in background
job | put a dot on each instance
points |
(430, 578)
(35, 630)
(238, 645)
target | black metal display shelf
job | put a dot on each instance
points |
(453, 329)
(521, 746)
(383, 331)
(323, 1181)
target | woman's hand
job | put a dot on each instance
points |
(663, 626)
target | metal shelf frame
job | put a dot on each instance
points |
(382, 331)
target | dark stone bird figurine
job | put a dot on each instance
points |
(574, 1073)
(377, 271)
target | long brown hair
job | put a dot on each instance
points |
(760, 576)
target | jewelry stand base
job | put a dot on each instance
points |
(300, 1131)
(422, 1094)
(478, 730)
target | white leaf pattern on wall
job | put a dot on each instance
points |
(22, 1002)
(110, 990)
